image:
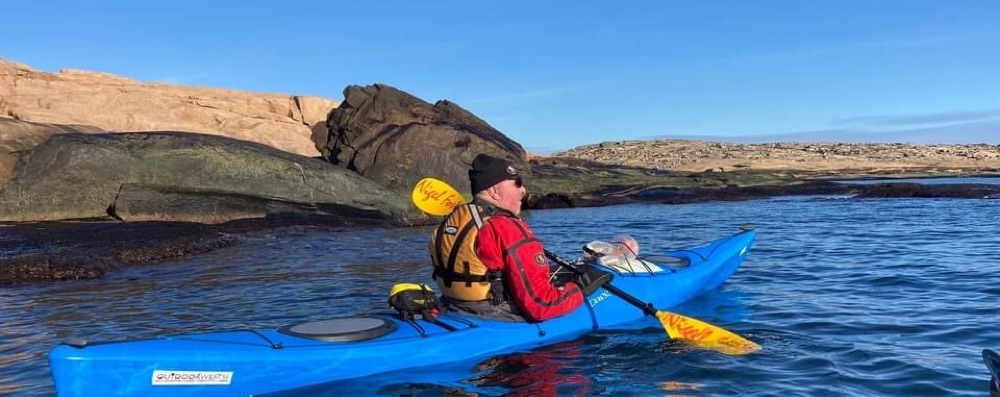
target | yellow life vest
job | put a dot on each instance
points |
(457, 269)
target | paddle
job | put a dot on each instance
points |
(436, 197)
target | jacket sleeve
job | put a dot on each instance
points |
(507, 244)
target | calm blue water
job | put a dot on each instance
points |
(848, 297)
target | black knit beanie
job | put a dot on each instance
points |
(488, 171)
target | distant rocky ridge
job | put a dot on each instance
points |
(700, 156)
(114, 103)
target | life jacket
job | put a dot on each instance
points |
(459, 272)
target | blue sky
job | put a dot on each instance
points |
(557, 74)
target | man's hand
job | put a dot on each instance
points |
(592, 279)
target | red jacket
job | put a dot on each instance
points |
(507, 243)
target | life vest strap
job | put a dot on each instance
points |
(450, 277)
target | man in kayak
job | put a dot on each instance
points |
(488, 262)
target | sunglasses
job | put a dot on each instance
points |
(518, 181)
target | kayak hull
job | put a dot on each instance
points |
(249, 362)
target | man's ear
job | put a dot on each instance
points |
(493, 192)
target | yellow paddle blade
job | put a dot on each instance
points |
(435, 197)
(705, 335)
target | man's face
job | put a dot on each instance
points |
(509, 193)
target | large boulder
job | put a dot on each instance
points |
(176, 176)
(115, 103)
(396, 139)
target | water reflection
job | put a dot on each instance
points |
(556, 370)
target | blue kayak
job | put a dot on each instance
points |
(250, 362)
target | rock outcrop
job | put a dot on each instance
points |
(114, 103)
(396, 139)
(175, 176)
(19, 136)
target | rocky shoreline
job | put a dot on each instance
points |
(58, 251)
(173, 171)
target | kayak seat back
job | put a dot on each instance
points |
(351, 329)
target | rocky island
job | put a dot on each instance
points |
(99, 171)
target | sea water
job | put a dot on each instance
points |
(848, 297)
